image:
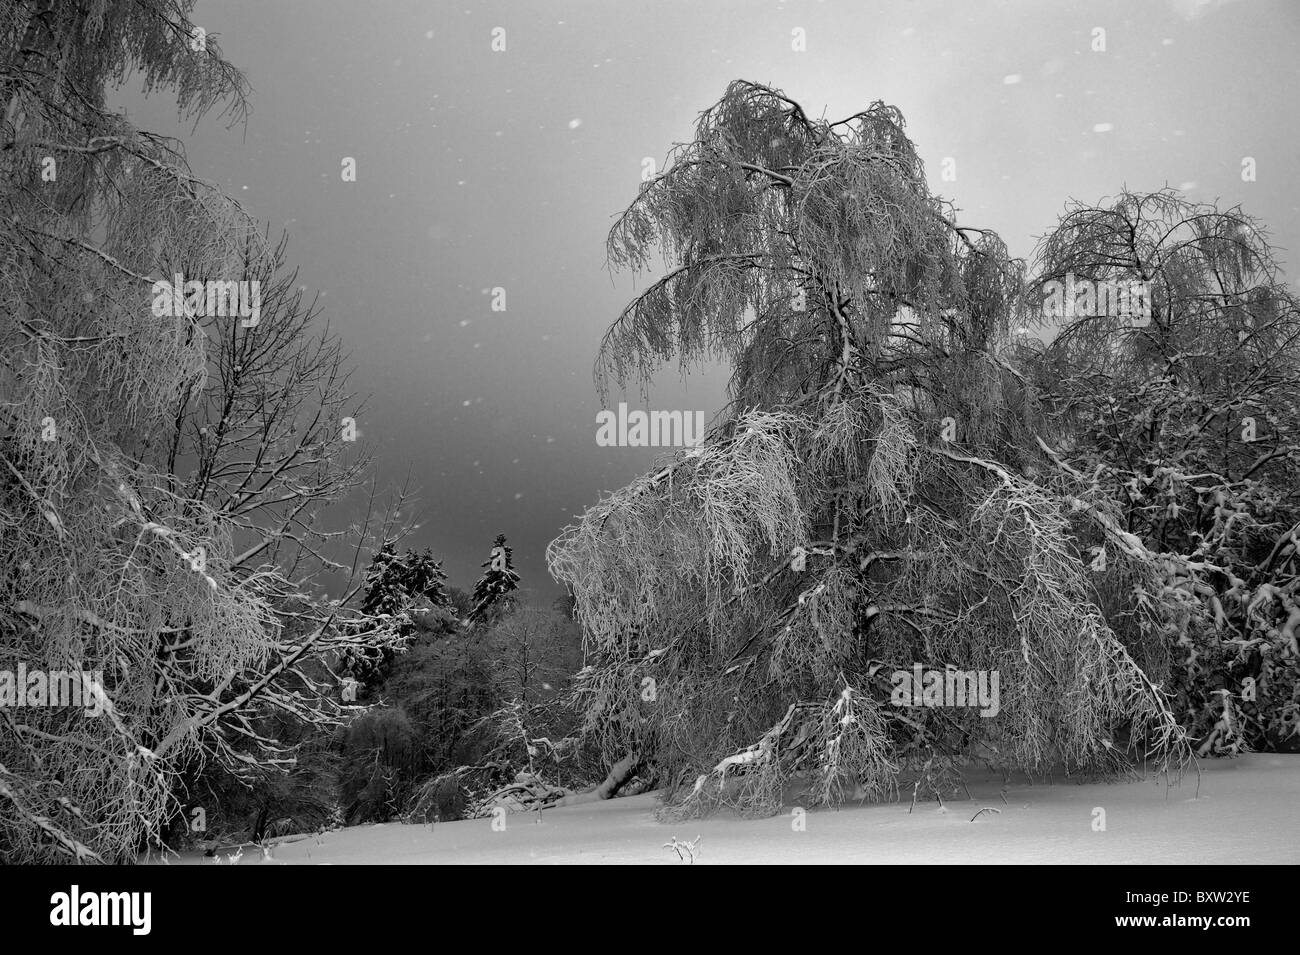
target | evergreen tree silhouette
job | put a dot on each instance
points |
(498, 581)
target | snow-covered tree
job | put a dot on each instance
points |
(875, 495)
(383, 594)
(394, 583)
(503, 716)
(159, 473)
(399, 587)
(1188, 414)
(492, 592)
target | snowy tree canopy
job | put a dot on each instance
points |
(880, 491)
(159, 473)
(1189, 418)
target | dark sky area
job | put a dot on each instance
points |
(479, 169)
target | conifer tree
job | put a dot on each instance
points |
(397, 586)
(499, 581)
(395, 582)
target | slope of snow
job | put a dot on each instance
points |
(1246, 812)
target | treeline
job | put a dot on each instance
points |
(451, 720)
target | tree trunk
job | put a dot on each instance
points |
(618, 776)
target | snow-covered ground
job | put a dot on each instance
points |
(1247, 811)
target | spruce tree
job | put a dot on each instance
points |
(499, 580)
(395, 582)
(397, 585)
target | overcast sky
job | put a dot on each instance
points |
(479, 169)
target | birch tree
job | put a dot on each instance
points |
(1188, 415)
(876, 494)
